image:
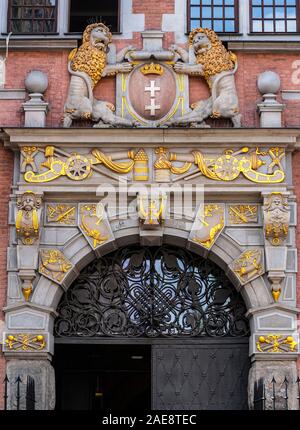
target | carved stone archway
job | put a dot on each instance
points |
(45, 269)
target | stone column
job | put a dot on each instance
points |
(41, 372)
(263, 370)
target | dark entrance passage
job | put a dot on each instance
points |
(102, 377)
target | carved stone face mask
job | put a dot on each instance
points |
(28, 203)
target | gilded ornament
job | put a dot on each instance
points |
(28, 158)
(92, 225)
(208, 225)
(141, 168)
(276, 294)
(27, 217)
(27, 290)
(249, 265)
(54, 265)
(162, 165)
(151, 210)
(226, 167)
(276, 344)
(152, 69)
(243, 214)
(25, 342)
(276, 218)
(61, 214)
(79, 167)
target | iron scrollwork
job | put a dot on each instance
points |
(151, 292)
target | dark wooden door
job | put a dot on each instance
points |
(200, 377)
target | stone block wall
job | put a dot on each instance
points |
(6, 169)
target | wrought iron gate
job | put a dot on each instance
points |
(158, 295)
(152, 292)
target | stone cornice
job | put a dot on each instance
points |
(264, 46)
(275, 307)
(288, 137)
(29, 305)
(39, 44)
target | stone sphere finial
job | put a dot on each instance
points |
(268, 83)
(36, 82)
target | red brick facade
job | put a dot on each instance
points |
(55, 65)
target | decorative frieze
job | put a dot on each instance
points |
(79, 167)
(260, 167)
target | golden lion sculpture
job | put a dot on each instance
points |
(87, 65)
(218, 67)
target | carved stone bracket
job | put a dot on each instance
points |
(28, 214)
(276, 216)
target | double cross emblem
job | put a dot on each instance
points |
(153, 107)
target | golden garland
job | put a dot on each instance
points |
(217, 59)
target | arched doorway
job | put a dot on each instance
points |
(156, 327)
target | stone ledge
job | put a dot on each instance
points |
(263, 46)
(290, 94)
(12, 94)
(39, 44)
(149, 137)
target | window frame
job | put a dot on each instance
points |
(236, 19)
(78, 32)
(29, 33)
(263, 33)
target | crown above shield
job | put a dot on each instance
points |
(152, 69)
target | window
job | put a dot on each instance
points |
(32, 16)
(85, 12)
(274, 16)
(219, 15)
